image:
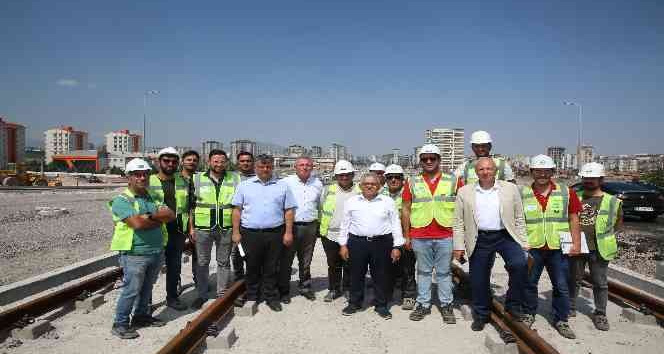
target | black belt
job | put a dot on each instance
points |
(487, 232)
(270, 229)
(304, 223)
(371, 238)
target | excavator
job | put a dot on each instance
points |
(18, 176)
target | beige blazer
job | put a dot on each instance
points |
(511, 214)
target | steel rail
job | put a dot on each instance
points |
(633, 297)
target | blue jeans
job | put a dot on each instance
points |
(430, 254)
(140, 274)
(558, 269)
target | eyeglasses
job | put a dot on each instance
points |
(394, 177)
(428, 159)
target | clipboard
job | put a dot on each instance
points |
(566, 242)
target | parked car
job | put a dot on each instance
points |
(638, 199)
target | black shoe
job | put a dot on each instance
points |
(332, 295)
(383, 312)
(239, 302)
(419, 312)
(176, 304)
(146, 321)
(285, 299)
(478, 325)
(274, 306)
(198, 303)
(124, 332)
(308, 294)
(448, 314)
(350, 309)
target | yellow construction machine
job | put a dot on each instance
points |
(18, 176)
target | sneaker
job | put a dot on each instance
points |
(408, 304)
(383, 312)
(198, 303)
(146, 321)
(274, 306)
(564, 329)
(308, 294)
(448, 314)
(176, 304)
(419, 312)
(601, 322)
(124, 332)
(478, 325)
(350, 309)
(528, 320)
(332, 295)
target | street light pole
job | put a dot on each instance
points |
(145, 108)
(580, 137)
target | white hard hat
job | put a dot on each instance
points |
(429, 149)
(343, 166)
(592, 169)
(480, 137)
(168, 151)
(393, 169)
(542, 161)
(377, 166)
(137, 165)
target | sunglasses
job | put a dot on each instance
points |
(428, 159)
(394, 177)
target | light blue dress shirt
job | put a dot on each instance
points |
(263, 204)
(307, 195)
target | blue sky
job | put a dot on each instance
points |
(372, 75)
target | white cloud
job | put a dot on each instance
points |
(68, 82)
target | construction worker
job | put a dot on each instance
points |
(139, 236)
(189, 167)
(600, 218)
(481, 143)
(427, 216)
(550, 209)
(403, 275)
(168, 187)
(211, 224)
(379, 169)
(332, 202)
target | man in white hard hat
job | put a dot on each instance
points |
(139, 236)
(331, 203)
(379, 169)
(550, 209)
(168, 187)
(427, 217)
(600, 218)
(404, 270)
(481, 144)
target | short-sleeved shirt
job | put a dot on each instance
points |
(263, 203)
(147, 241)
(589, 209)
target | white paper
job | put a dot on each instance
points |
(240, 249)
(566, 242)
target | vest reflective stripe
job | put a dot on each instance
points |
(470, 175)
(605, 224)
(426, 207)
(156, 191)
(329, 205)
(209, 207)
(123, 235)
(398, 199)
(544, 226)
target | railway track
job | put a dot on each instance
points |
(629, 296)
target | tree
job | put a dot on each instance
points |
(655, 177)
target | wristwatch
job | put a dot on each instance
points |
(149, 216)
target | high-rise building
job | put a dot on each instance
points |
(557, 153)
(3, 145)
(238, 146)
(208, 146)
(451, 145)
(296, 150)
(338, 152)
(587, 155)
(63, 140)
(123, 142)
(12, 143)
(316, 151)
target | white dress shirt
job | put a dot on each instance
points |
(307, 195)
(487, 208)
(375, 217)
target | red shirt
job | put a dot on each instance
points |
(433, 230)
(574, 206)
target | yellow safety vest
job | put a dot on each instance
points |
(398, 199)
(470, 176)
(544, 227)
(329, 205)
(425, 207)
(156, 191)
(123, 235)
(210, 209)
(605, 224)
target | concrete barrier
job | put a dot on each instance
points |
(649, 285)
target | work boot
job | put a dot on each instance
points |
(274, 306)
(601, 322)
(408, 304)
(383, 312)
(564, 329)
(176, 304)
(478, 325)
(419, 312)
(332, 295)
(528, 320)
(448, 314)
(308, 294)
(124, 332)
(146, 321)
(350, 310)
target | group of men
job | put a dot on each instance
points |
(404, 231)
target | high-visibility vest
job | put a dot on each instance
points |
(544, 227)
(425, 207)
(156, 191)
(212, 210)
(605, 224)
(329, 205)
(398, 198)
(123, 235)
(470, 175)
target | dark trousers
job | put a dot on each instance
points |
(173, 256)
(403, 276)
(338, 270)
(262, 249)
(304, 241)
(481, 263)
(558, 269)
(374, 253)
(238, 264)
